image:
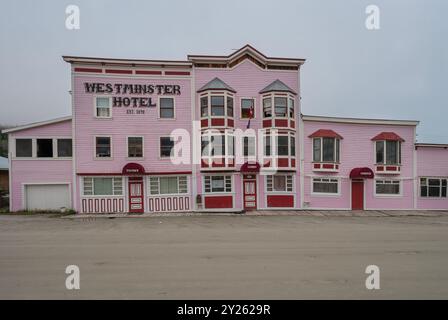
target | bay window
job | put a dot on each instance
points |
(280, 104)
(433, 187)
(388, 152)
(267, 107)
(217, 184)
(387, 187)
(216, 105)
(326, 149)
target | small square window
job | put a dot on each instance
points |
(167, 108)
(166, 146)
(103, 107)
(24, 148)
(44, 148)
(64, 148)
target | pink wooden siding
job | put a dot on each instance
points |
(431, 162)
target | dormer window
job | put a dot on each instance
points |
(278, 100)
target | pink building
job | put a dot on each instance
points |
(214, 133)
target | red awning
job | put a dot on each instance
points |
(391, 136)
(325, 133)
(250, 167)
(133, 168)
(361, 173)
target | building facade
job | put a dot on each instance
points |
(214, 133)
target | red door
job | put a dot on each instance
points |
(250, 192)
(136, 195)
(358, 194)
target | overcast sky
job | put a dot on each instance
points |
(398, 72)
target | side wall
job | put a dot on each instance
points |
(38, 171)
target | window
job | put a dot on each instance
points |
(291, 107)
(267, 145)
(103, 147)
(248, 146)
(44, 148)
(326, 149)
(103, 107)
(135, 147)
(279, 183)
(205, 146)
(218, 147)
(293, 146)
(267, 107)
(166, 146)
(282, 145)
(246, 106)
(24, 148)
(217, 184)
(387, 187)
(280, 106)
(64, 148)
(168, 185)
(229, 106)
(217, 104)
(433, 187)
(230, 145)
(99, 186)
(204, 106)
(325, 185)
(388, 152)
(166, 108)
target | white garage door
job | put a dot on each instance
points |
(47, 196)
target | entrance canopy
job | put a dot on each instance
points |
(361, 173)
(133, 169)
(250, 167)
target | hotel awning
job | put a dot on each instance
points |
(361, 173)
(250, 167)
(133, 169)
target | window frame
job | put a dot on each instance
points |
(160, 146)
(211, 192)
(93, 195)
(159, 108)
(95, 114)
(286, 191)
(427, 178)
(34, 147)
(336, 150)
(158, 194)
(387, 195)
(127, 147)
(95, 146)
(216, 93)
(57, 148)
(289, 106)
(384, 163)
(327, 194)
(254, 104)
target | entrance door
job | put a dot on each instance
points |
(136, 194)
(250, 192)
(358, 194)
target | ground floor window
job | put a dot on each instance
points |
(433, 187)
(325, 185)
(102, 186)
(387, 187)
(217, 184)
(168, 185)
(279, 183)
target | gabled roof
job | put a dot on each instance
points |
(216, 84)
(37, 124)
(325, 133)
(277, 85)
(242, 53)
(391, 136)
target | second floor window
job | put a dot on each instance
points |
(246, 106)
(217, 105)
(103, 107)
(326, 149)
(135, 147)
(44, 148)
(64, 147)
(24, 148)
(167, 108)
(166, 146)
(388, 152)
(249, 146)
(280, 106)
(103, 147)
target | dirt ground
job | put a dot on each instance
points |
(224, 257)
